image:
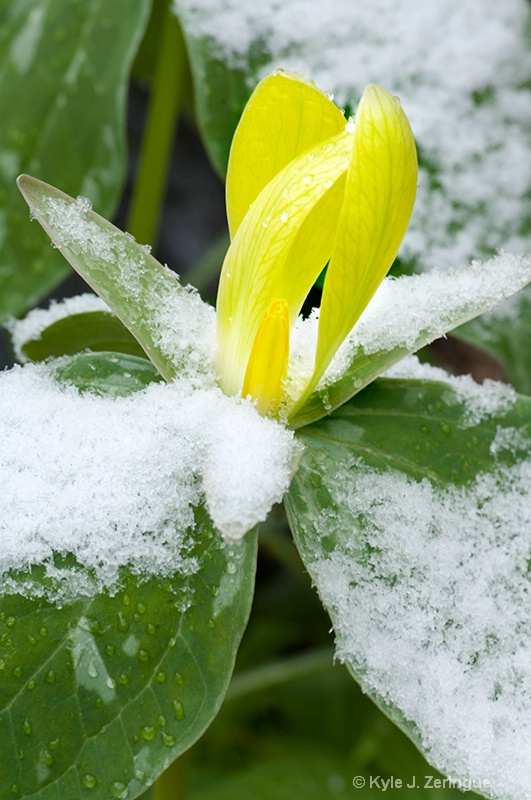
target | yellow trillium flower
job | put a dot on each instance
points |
(306, 188)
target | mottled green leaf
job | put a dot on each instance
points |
(92, 330)
(99, 694)
(63, 78)
(406, 456)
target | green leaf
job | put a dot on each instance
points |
(124, 273)
(409, 511)
(98, 695)
(112, 374)
(505, 333)
(418, 309)
(63, 81)
(106, 692)
(91, 330)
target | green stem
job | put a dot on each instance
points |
(157, 143)
(281, 671)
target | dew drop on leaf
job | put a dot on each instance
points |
(89, 781)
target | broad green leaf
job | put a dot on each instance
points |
(417, 309)
(409, 510)
(92, 330)
(100, 694)
(124, 273)
(63, 81)
(505, 333)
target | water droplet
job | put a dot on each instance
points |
(445, 428)
(14, 788)
(123, 624)
(168, 739)
(47, 758)
(109, 650)
(126, 600)
(160, 677)
(148, 732)
(31, 639)
(307, 180)
(425, 429)
(123, 679)
(10, 621)
(50, 676)
(26, 727)
(211, 623)
(17, 671)
(178, 709)
(89, 781)
(119, 790)
(31, 685)
(143, 655)
(54, 744)
(284, 193)
(284, 216)
(141, 608)
(179, 678)
(161, 721)
(231, 568)
(172, 642)
(151, 629)
(43, 631)
(92, 671)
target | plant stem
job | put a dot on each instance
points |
(281, 671)
(148, 193)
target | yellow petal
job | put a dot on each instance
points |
(284, 117)
(379, 196)
(268, 362)
(297, 212)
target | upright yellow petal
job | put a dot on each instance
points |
(379, 196)
(295, 214)
(285, 116)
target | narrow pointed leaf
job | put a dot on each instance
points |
(135, 286)
(284, 117)
(407, 314)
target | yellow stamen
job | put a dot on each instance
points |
(268, 363)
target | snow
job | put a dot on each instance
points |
(114, 481)
(461, 70)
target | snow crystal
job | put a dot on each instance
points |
(31, 327)
(431, 601)
(114, 481)
(461, 70)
